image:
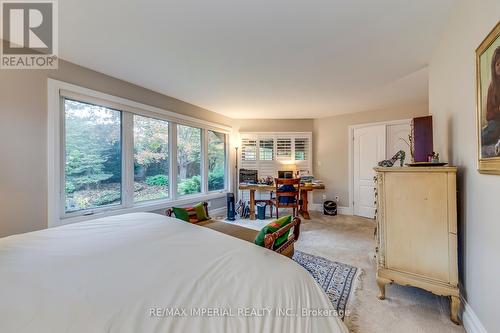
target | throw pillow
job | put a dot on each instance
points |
(201, 213)
(181, 213)
(191, 214)
(273, 227)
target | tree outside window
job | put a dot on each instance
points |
(92, 156)
(216, 160)
(151, 159)
(188, 160)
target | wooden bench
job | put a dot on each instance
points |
(287, 249)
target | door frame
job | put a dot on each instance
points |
(350, 140)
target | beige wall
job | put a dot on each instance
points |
(23, 147)
(331, 147)
(273, 125)
(452, 101)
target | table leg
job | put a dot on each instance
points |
(252, 204)
(304, 208)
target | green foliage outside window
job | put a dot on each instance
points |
(158, 180)
(190, 185)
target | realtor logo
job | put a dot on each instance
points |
(29, 34)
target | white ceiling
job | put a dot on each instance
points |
(261, 59)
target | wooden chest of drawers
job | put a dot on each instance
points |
(417, 230)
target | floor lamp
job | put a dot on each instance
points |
(236, 173)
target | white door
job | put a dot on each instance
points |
(369, 149)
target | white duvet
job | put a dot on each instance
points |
(149, 273)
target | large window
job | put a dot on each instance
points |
(216, 160)
(93, 173)
(108, 154)
(151, 161)
(188, 160)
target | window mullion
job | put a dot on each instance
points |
(172, 148)
(228, 166)
(204, 161)
(127, 159)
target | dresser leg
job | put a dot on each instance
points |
(381, 286)
(454, 308)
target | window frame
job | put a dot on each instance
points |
(58, 91)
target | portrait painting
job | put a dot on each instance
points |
(488, 102)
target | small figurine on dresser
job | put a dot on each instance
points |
(433, 158)
(400, 155)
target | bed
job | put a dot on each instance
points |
(145, 272)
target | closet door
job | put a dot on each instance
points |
(369, 149)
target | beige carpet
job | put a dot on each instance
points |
(350, 240)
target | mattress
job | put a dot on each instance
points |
(145, 272)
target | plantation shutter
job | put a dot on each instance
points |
(301, 149)
(266, 149)
(267, 158)
(270, 152)
(248, 159)
(284, 148)
(248, 149)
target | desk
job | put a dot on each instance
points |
(304, 190)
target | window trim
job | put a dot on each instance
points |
(57, 91)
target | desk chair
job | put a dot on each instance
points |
(287, 198)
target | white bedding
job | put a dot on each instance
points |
(136, 272)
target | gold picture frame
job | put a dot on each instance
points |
(488, 103)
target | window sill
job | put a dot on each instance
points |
(142, 207)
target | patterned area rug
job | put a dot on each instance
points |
(335, 278)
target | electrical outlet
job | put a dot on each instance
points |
(337, 198)
(324, 196)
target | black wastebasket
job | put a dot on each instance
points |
(330, 208)
(261, 211)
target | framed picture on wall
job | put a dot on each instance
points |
(488, 102)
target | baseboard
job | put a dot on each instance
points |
(340, 210)
(345, 211)
(471, 322)
(312, 207)
(217, 211)
(316, 207)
